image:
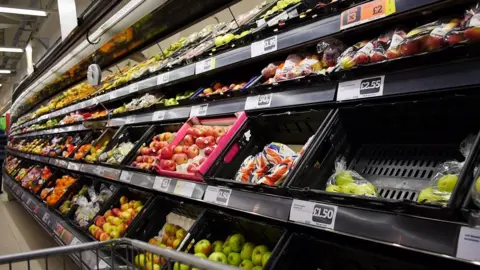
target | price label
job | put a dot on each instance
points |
(316, 214)
(75, 241)
(73, 166)
(468, 244)
(158, 116)
(293, 13)
(217, 195)
(110, 173)
(260, 22)
(281, 17)
(205, 65)
(367, 12)
(263, 46)
(260, 101)
(126, 176)
(46, 218)
(130, 119)
(133, 88)
(184, 188)
(363, 88)
(161, 183)
(163, 78)
(62, 163)
(98, 170)
(199, 110)
(29, 201)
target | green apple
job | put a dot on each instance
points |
(447, 182)
(427, 195)
(227, 249)
(343, 178)
(203, 246)
(234, 258)
(348, 188)
(265, 258)
(365, 189)
(180, 266)
(236, 242)
(140, 260)
(217, 246)
(201, 255)
(477, 184)
(228, 37)
(246, 264)
(332, 188)
(219, 41)
(257, 268)
(218, 257)
(257, 254)
(247, 250)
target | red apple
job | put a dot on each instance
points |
(180, 158)
(361, 58)
(201, 160)
(200, 142)
(178, 149)
(99, 221)
(191, 131)
(455, 38)
(107, 214)
(98, 233)
(210, 141)
(192, 168)
(208, 150)
(410, 48)
(145, 159)
(123, 200)
(169, 165)
(116, 211)
(472, 33)
(217, 86)
(167, 152)
(198, 133)
(144, 151)
(377, 57)
(139, 159)
(188, 140)
(166, 136)
(218, 131)
(208, 131)
(392, 54)
(162, 144)
(193, 151)
(434, 43)
(104, 237)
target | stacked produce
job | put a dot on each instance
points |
(235, 251)
(280, 6)
(71, 118)
(89, 204)
(147, 156)
(52, 195)
(174, 101)
(50, 146)
(31, 176)
(349, 181)
(71, 144)
(12, 163)
(21, 173)
(114, 222)
(117, 154)
(82, 150)
(37, 184)
(68, 203)
(97, 149)
(220, 89)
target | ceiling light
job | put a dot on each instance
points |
(23, 11)
(6, 49)
(5, 71)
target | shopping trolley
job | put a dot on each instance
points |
(120, 253)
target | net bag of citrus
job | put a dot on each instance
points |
(443, 182)
(349, 181)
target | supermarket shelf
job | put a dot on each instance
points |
(61, 231)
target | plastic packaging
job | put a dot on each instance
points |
(468, 29)
(349, 181)
(290, 63)
(393, 50)
(348, 59)
(330, 49)
(444, 181)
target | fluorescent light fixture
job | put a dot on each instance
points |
(5, 71)
(23, 11)
(7, 49)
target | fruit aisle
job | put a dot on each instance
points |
(301, 135)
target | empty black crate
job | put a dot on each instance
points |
(396, 147)
(216, 225)
(291, 128)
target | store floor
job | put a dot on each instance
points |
(19, 232)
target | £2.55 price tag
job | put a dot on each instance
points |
(363, 88)
(366, 12)
(161, 183)
(263, 46)
(260, 101)
(205, 65)
(316, 214)
(217, 195)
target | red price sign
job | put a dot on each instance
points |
(366, 12)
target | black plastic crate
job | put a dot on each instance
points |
(216, 225)
(290, 128)
(108, 135)
(396, 147)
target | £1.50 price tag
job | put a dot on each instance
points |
(263, 46)
(205, 65)
(161, 183)
(260, 101)
(217, 195)
(316, 214)
(366, 12)
(363, 88)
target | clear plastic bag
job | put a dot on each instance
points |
(349, 181)
(444, 181)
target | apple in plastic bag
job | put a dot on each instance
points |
(447, 182)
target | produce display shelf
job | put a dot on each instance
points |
(399, 230)
(61, 231)
(289, 39)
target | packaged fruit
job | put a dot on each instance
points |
(89, 203)
(330, 49)
(349, 181)
(393, 50)
(471, 24)
(349, 58)
(445, 179)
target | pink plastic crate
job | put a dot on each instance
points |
(234, 121)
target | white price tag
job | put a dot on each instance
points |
(158, 116)
(218, 195)
(98, 170)
(126, 176)
(46, 217)
(161, 183)
(293, 13)
(316, 214)
(133, 88)
(75, 241)
(205, 65)
(114, 94)
(73, 166)
(363, 88)
(260, 22)
(184, 188)
(29, 201)
(130, 119)
(263, 46)
(468, 246)
(199, 110)
(163, 78)
(260, 101)
(280, 17)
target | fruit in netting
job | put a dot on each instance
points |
(333, 188)
(447, 182)
(343, 178)
(348, 188)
